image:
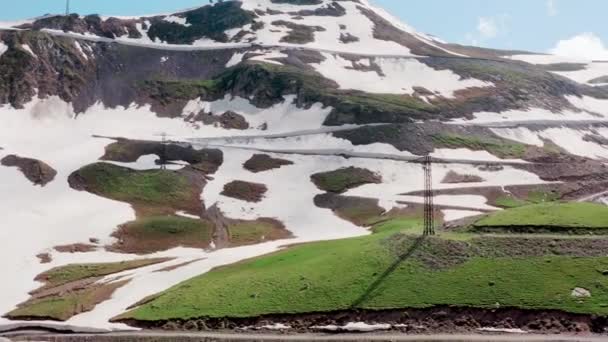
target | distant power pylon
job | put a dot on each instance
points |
(429, 207)
(163, 152)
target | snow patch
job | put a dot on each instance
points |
(3, 48)
(177, 20)
(79, 48)
(236, 58)
(502, 330)
(453, 215)
(281, 117)
(395, 76)
(353, 327)
(28, 49)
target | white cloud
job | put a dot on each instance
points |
(487, 27)
(583, 46)
(552, 8)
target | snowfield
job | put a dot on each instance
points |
(38, 218)
(65, 142)
(392, 76)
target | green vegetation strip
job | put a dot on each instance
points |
(498, 147)
(67, 274)
(159, 233)
(352, 273)
(123, 184)
(534, 197)
(564, 215)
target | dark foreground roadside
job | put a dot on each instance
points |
(228, 337)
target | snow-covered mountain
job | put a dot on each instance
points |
(269, 94)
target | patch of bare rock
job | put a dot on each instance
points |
(263, 162)
(36, 171)
(75, 248)
(453, 177)
(245, 191)
(228, 120)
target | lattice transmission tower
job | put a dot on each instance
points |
(429, 207)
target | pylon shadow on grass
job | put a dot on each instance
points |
(374, 286)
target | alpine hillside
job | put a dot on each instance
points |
(257, 164)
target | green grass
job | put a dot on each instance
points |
(566, 215)
(534, 197)
(67, 274)
(340, 180)
(498, 147)
(332, 275)
(159, 233)
(63, 306)
(251, 232)
(160, 187)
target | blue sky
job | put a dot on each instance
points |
(536, 25)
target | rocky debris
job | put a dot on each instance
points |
(75, 248)
(44, 258)
(209, 21)
(384, 30)
(564, 67)
(299, 34)
(36, 171)
(453, 177)
(90, 24)
(599, 80)
(439, 319)
(347, 38)
(596, 138)
(579, 292)
(263, 162)
(245, 191)
(228, 120)
(341, 180)
(333, 9)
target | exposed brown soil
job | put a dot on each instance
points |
(135, 238)
(44, 258)
(453, 177)
(358, 210)
(36, 171)
(263, 162)
(75, 248)
(85, 298)
(233, 232)
(251, 232)
(246, 191)
(441, 319)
